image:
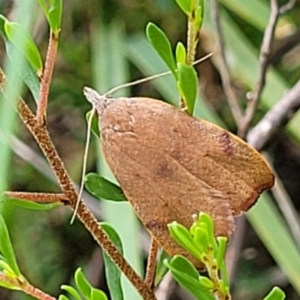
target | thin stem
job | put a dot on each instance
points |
(46, 77)
(150, 271)
(192, 40)
(37, 197)
(265, 52)
(222, 65)
(26, 287)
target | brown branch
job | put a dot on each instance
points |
(41, 135)
(26, 287)
(279, 114)
(38, 197)
(286, 7)
(150, 271)
(46, 77)
(265, 52)
(222, 65)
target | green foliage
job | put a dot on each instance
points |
(18, 41)
(53, 13)
(161, 268)
(275, 294)
(84, 288)
(185, 76)
(162, 45)
(187, 85)
(94, 126)
(14, 32)
(30, 204)
(199, 240)
(103, 188)
(112, 272)
(7, 250)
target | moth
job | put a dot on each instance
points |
(171, 166)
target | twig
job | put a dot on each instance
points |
(46, 77)
(41, 135)
(286, 206)
(275, 117)
(192, 40)
(265, 52)
(26, 287)
(222, 65)
(150, 271)
(38, 197)
(233, 251)
(285, 8)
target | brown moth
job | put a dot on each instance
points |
(171, 166)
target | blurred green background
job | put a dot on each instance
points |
(102, 45)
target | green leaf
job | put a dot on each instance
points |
(53, 13)
(6, 248)
(188, 85)
(180, 53)
(183, 237)
(102, 188)
(28, 73)
(184, 265)
(206, 282)
(97, 295)
(275, 294)
(95, 122)
(30, 204)
(63, 297)
(161, 44)
(198, 17)
(71, 291)
(161, 268)
(82, 283)
(15, 33)
(185, 6)
(112, 272)
(190, 283)
(207, 220)
(201, 239)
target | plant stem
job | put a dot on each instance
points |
(150, 272)
(26, 287)
(38, 197)
(46, 77)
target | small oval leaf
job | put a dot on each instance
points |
(275, 294)
(103, 189)
(17, 36)
(97, 295)
(161, 44)
(71, 291)
(185, 6)
(82, 283)
(190, 283)
(188, 84)
(180, 53)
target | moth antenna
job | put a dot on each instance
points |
(85, 157)
(151, 77)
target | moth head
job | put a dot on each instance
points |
(99, 102)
